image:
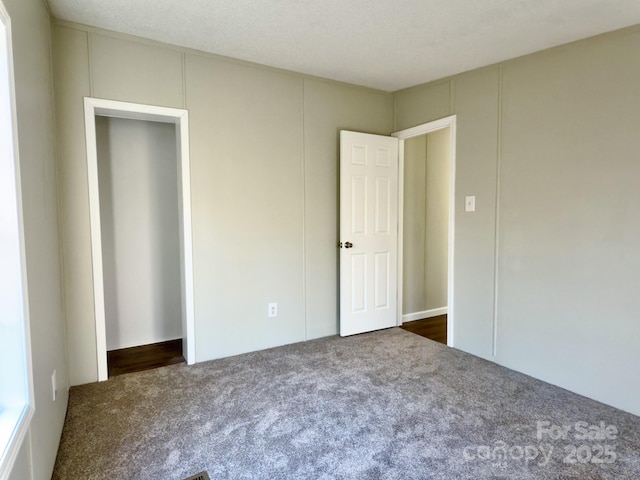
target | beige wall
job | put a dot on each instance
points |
(426, 222)
(34, 104)
(414, 225)
(263, 145)
(548, 263)
(437, 218)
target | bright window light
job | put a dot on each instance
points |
(16, 390)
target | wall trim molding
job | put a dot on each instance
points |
(434, 312)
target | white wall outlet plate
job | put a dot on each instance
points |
(54, 386)
(470, 203)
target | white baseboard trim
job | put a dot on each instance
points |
(434, 312)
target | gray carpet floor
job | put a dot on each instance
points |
(382, 405)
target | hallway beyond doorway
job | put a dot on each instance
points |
(434, 328)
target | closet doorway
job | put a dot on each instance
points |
(139, 191)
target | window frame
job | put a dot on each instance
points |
(15, 420)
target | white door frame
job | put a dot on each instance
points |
(180, 118)
(402, 135)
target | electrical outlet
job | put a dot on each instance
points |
(470, 203)
(54, 385)
(273, 309)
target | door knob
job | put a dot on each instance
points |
(348, 245)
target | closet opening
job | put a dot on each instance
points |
(138, 185)
(139, 189)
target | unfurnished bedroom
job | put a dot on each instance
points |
(331, 240)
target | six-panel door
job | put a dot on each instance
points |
(368, 232)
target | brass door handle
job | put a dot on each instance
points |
(348, 245)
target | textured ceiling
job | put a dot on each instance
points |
(385, 44)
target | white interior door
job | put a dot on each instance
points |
(368, 232)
